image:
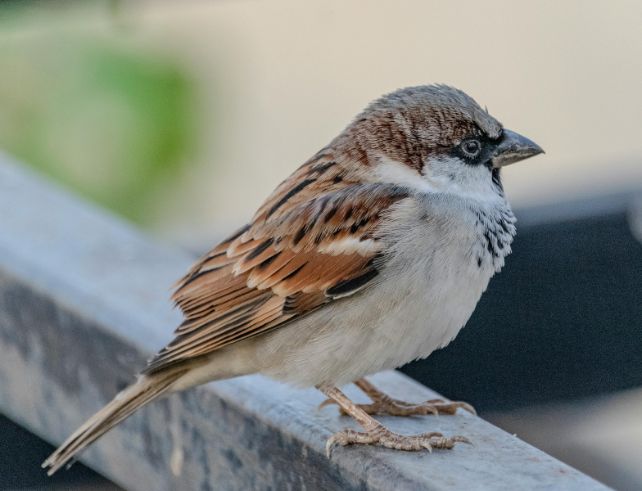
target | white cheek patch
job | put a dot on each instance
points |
(452, 175)
(440, 175)
(395, 172)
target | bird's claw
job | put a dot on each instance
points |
(383, 437)
(393, 407)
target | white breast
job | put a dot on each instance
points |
(424, 295)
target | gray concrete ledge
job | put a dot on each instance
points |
(84, 302)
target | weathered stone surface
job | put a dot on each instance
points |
(83, 303)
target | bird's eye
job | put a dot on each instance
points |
(471, 148)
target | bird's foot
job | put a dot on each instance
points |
(383, 437)
(386, 405)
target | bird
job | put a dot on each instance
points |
(372, 254)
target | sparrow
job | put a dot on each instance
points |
(372, 254)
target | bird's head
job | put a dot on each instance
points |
(435, 137)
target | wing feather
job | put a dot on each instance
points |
(313, 241)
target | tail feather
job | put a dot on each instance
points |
(145, 390)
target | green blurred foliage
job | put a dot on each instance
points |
(108, 118)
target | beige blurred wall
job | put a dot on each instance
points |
(283, 77)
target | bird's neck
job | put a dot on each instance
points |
(495, 231)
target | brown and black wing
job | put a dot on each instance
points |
(290, 261)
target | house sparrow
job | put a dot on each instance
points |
(370, 255)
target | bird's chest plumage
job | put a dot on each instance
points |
(441, 267)
(438, 263)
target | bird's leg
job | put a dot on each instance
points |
(385, 405)
(376, 434)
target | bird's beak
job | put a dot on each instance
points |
(512, 148)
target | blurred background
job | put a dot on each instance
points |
(183, 116)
